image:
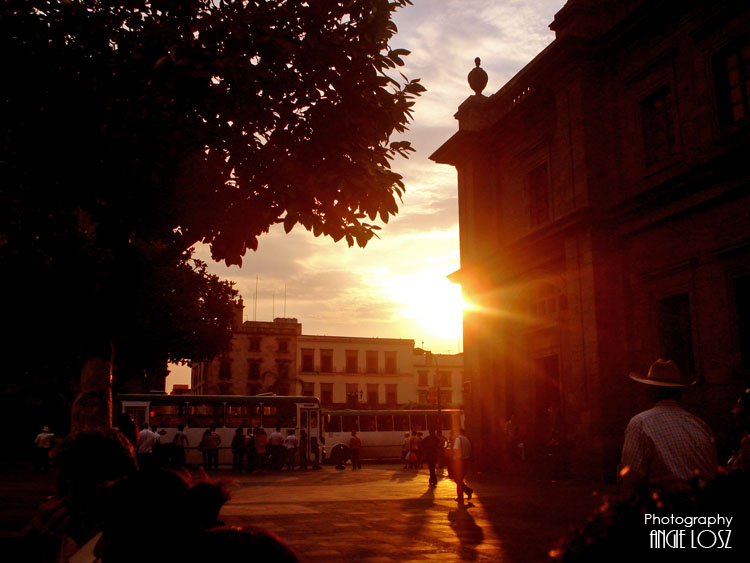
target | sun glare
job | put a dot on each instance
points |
(431, 300)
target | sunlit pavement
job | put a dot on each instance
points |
(385, 513)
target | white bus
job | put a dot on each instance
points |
(227, 413)
(382, 431)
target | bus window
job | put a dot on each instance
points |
(242, 415)
(385, 423)
(367, 422)
(432, 421)
(166, 415)
(203, 415)
(417, 422)
(303, 418)
(334, 423)
(283, 415)
(349, 422)
(313, 419)
(401, 422)
(447, 422)
(138, 414)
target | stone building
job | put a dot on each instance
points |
(604, 208)
(262, 359)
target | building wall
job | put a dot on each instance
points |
(339, 376)
(262, 359)
(604, 205)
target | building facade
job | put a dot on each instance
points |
(343, 371)
(262, 359)
(440, 378)
(356, 372)
(604, 208)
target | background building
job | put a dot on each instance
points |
(439, 378)
(604, 207)
(347, 371)
(343, 371)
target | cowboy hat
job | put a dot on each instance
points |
(663, 373)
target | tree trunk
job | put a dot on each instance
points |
(92, 409)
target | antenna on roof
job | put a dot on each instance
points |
(273, 306)
(284, 300)
(255, 300)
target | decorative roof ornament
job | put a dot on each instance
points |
(477, 78)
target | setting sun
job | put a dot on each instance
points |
(431, 300)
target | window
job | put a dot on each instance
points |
(254, 344)
(308, 360)
(253, 369)
(326, 393)
(422, 378)
(167, 414)
(367, 422)
(385, 423)
(422, 396)
(390, 363)
(283, 415)
(742, 307)
(658, 122)
(308, 389)
(203, 415)
(352, 393)
(444, 377)
(372, 393)
(401, 422)
(675, 332)
(225, 369)
(446, 397)
(546, 301)
(417, 422)
(326, 361)
(391, 394)
(351, 361)
(731, 68)
(282, 368)
(283, 346)
(242, 416)
(349, 422)
(371, 361)
(334, 423)
(539, 195)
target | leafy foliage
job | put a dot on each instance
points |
(134, 129)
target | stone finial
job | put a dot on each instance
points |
(477, 78)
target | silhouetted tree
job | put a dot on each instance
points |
(134, 129)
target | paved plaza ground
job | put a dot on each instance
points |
(380, 513)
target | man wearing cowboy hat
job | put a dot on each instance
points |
(666, 446)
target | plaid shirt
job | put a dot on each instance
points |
(666, 445)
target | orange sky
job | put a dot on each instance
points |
(396, 286)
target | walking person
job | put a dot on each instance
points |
(430, 448)
(43, 446)
(462, 456)
(238, 449)
(250, 451)
(276, 450)
(303, 446)
(145, 447)
(291, 449)
(413, 450)
(405, 450)
(205, 447)
(261, 446)
(215, 443)
(666, 446)
(354, 447)
(180, 443)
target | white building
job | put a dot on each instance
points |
(440, 377)
(349, 371)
